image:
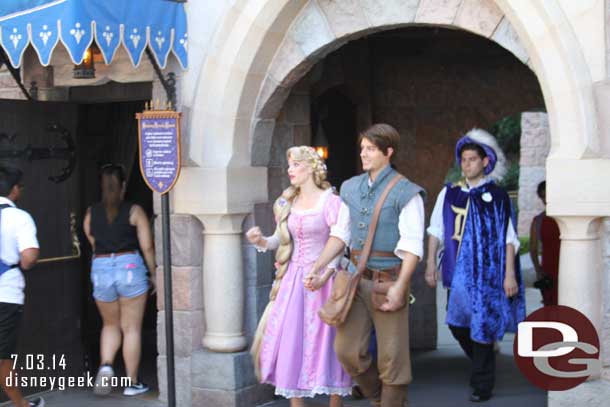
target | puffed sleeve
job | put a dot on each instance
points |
(273, 242)
(331, 215)
(331, 210)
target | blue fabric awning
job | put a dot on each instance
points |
(136, 24)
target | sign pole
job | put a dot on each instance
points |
(169, 306)
(159, 142)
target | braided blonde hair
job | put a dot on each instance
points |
(281, 210)
(282, 205)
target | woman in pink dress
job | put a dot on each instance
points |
(293, 348)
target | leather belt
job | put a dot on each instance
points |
(377, 274)
(115, 254)
(373, 254)
(381, 275)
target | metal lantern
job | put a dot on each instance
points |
(86, 69)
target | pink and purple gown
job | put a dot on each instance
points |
(297, 354)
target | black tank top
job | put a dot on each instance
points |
(118, 236)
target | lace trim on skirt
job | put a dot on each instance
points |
(292, 393)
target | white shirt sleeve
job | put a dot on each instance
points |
(341, 229)
(411, 228)
(511, 236)
(26, 233)
(273, 242)
(437, 228)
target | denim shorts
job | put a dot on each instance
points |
(123, 275)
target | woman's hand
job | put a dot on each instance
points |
(254, 235)
(308, 280)
(314, 281)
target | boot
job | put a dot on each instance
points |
(370, 385)
(394, 396)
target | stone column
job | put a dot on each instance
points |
(580, 265)
(535, 147)
(223, 282)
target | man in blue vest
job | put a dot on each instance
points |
(396, 249)
(472, 221)
(18, 251)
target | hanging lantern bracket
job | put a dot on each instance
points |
(168, 83)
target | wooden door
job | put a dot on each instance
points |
(52, 312)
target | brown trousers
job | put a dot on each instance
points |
(392, 331)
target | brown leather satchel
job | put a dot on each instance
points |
(345, 284)
(382, 281)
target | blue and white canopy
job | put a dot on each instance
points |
(158, 24)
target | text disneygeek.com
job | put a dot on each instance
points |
(27, 369)
(62, 382)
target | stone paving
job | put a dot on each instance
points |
(86, 398)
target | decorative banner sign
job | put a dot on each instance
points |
(159, 141)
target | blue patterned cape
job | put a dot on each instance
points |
(477, 299)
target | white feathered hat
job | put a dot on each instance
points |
(496, 169)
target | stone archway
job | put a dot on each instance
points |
(247, 73)
(267, 48)
(431, 84)
(263, 47)
(336, 23)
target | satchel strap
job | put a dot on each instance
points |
(368, 244)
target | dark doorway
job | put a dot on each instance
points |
(334, 115)
(108, 133)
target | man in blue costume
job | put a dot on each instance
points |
(472, 220)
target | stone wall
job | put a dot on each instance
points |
(187, 288)
(443, 84)
(292, 128)
(535, 147)
(605, 331)
(8, 87)
(605, 236)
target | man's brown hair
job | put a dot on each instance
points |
(383, 136)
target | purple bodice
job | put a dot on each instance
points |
(310, 228)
